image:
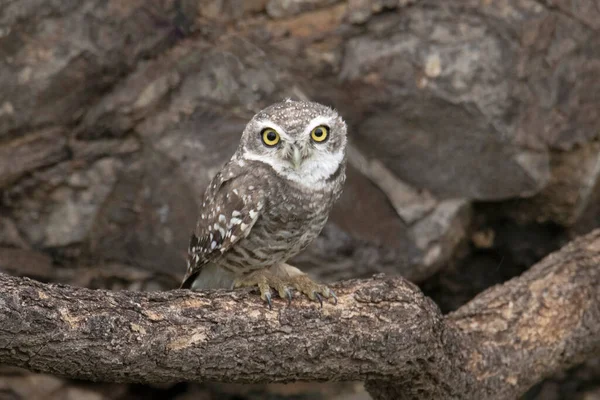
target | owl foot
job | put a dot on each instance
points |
(265, 280)
(314, 291)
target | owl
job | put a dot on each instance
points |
(269, 202)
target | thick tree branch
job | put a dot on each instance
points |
(383, 331)
(513, 335)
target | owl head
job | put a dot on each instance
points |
(302, 141)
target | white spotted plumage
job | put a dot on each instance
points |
(262, 209)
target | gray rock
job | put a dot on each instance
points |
(147, 217)
(438, 235)
(570, 197)
(23, 155)
(448, 106)
(57, 207)
(113, 119)
(59, 57)
(288, 8)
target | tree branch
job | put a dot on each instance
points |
(513, 335)
(383, 331)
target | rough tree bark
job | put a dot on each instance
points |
(383, 331)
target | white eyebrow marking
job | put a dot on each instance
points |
(266, 123)
(320, 120)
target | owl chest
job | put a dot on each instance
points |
(295, 223)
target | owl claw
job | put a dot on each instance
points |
(265, 280)
(335, 299)
(318, 296)
(313, 290)
(268, 298)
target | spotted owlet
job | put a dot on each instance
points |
(269, 202)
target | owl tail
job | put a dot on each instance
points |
(191, 273)
(188, 280)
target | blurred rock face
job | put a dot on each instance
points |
(115, 115)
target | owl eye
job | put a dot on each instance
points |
(270, 137)
(320, 134)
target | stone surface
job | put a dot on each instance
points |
(59, 57)
(288, 8)
(443, 104)
(147, 217)
(34, 151)
(448, 105)
(571, 193)
(113, 118)
(21, 262)
(57, 207)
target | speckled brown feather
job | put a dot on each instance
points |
(263, 207)
(231, 207)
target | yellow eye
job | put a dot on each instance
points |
(320, 134)
(270, 137)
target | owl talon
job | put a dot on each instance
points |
(268, 299)
(318, 296)
(265, 281)
(312, 290)
(335, 299)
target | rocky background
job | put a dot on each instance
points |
(475, 128)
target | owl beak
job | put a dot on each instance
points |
(296, 157)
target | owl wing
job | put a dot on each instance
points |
(232, 204)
